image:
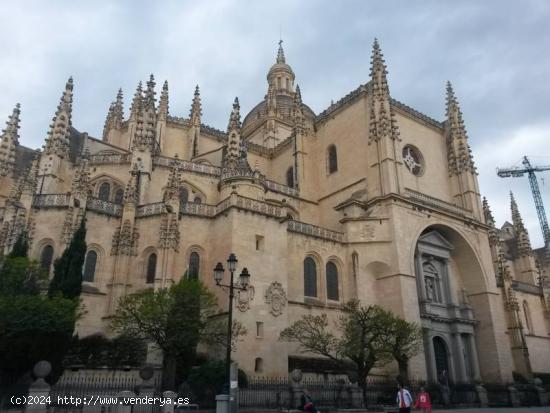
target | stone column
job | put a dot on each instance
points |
(474, 360)
(122, 398)
(145, 389)
(430, 356)
(296, 388)
(514, 396)
(39, 390)
(482, 395)
(462, 374)
(169, 407)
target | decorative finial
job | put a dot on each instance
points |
(281, 53)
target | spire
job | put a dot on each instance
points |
(9, 141)
(459, 153)
(378, 72)
(236, 156)
(171, 191)
(522, 236)
(57, 142)
(489, 220)
(131, 191)
(137, 102)
(144, 115)
(281, 53)
(115, 115)
(297, 112)
(235, 117)
(163, 103)
(382, 122)
(81, 180)
(196, 108)
(150, 93)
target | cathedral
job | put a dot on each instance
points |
(369, 199)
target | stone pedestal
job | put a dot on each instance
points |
(123, 406)
(169, 407)
(356, 397)
(223, 403)
(39, 390)
(482, 396)
(296, 388)
(514, 396)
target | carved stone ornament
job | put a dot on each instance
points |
(276, 297)
(244, 297)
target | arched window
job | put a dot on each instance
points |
(310, 277)
(355, 264)
(104, 191)
(527, 314)
(258, 365)
(332, 281)
(290, 177)
(332, 159)
(194, 266)
(119, 196)
(197, 200)
(46, 258)
(89, 266)
(151, 268)
(184, 195)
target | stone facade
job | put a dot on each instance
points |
(369, 199)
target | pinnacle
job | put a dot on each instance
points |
(281, 53)
(298, 96)
(197, 90)
(165, 85)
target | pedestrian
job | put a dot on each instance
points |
(404, 399)
(307, 403)
(423, 401)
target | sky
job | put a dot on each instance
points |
(495, 52)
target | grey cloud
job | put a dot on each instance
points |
(494, 52)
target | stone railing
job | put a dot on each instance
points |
(283, 189)
(50, 200)
(257, 206)
(109, 158)
(194, 208)
(315, 231)
(436, 203)
(240, 202)
(148, 210)
(104, 207)
(526, 287)
(200, 168)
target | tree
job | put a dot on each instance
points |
(33, 328)
(404, 340)
(67, 279)
(174, 319)
(359, 339)
(20, 276)
(21, 247)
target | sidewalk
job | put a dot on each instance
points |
(545, 409)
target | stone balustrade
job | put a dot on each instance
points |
(315, 231)
(109, 158)
(148, 210)
(436, 203)
(50, 200)
(189, 166)
(104, 207)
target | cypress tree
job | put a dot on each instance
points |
(67, 278)
(21, 247)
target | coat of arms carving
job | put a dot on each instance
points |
(276, 297)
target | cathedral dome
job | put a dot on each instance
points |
(284, 109)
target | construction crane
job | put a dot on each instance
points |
(516, 172)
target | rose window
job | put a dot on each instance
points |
(413, 160)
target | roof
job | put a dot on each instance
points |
(24, 155)
(285, 104)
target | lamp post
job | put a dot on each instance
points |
(242, 285)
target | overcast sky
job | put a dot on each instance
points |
(496, 53)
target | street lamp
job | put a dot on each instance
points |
(241, 285)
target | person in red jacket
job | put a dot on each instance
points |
(423, 401)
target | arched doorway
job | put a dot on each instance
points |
(441, 356)
(445, 269)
